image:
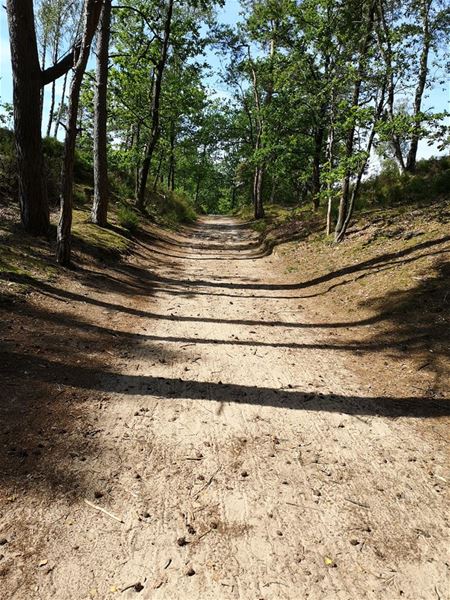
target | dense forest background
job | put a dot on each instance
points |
(323, 106)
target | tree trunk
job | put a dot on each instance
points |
(384, 35)
(258, 198)
(423, 72)
(101, 185)
(171, 174)
(317, 156)
(330, 156)
(330, 150)
(197, 191)
(272, 190)
(61, 107)
(233, 196)
(51, 110)
(43, 60)
(354, 192)
(158, 170)
(154, 132)
(55, 58)
(172, 181)
(28, 79)
(136, 170)
(350, 140)
(27, 84)
(91, 16)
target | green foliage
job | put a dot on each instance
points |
(127, 218)
(8, 165)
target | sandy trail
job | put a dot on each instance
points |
(244, 458)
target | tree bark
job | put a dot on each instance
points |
(28, 79)
(384, 35)
(350, 139)
(154, 132)
(171, 173)
(91, 16)
(61, 107)
(55, 58)
(273, 190)
(357, 183)
(330, 153)
(317, 156)
(27, 84)
(101, 184)
(43, 60)
(258, 197)
(158, 170)
(423, 72)
(258, 203)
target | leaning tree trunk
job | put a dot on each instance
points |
(101, 184)
(362, 167)
(27, 83)
(60, 108)
(92, 10)
(51, 112)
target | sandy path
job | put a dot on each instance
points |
(244, 458)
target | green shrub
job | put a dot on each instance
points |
(83, 169)
(390, 188)
(171, 208)
(8, 165)
(441, 182)
(53, 155)
(179, 205)
(127, 218)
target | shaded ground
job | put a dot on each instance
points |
(264, 425)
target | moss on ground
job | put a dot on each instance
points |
(111, 240)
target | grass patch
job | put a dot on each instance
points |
(18, 261)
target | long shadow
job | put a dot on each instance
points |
(259, 247)
(227, 241)
(167, 388)
(48, 435)
(391, 258)
(419, 321)
(39, 432)
(55, 292)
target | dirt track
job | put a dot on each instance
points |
(229, 435)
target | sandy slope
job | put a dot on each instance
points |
(227, 432)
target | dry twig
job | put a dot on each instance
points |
(103, 510)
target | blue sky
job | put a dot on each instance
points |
(437, 99)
